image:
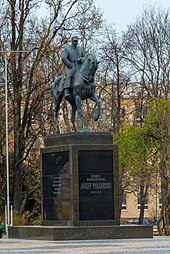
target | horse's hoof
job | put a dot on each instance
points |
(84, 130)
(96, 117)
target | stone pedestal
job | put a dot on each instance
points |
(80, 191)
(80, 180)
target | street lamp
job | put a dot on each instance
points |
(7, 154)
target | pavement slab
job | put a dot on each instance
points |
(119, 246)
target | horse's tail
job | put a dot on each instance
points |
(54, 85)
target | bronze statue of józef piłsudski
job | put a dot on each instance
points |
(76, 84)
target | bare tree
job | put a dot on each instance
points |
(115, 78)
(149, 50)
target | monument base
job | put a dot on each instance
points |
(61, 233)
(80, 191)
(80, 180)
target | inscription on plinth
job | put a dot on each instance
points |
(56, 186)
(96, 200)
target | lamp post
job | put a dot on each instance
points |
(7, 150)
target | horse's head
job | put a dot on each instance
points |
(89, 68)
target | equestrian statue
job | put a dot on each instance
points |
(76, 84)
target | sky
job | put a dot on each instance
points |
(123, 12)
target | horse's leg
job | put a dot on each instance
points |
(57, 101)
(73, 116)
(79, 109)
(98, 103)
(71, 100)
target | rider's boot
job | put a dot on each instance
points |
(66, 92)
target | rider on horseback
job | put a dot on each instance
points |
(72, 57)
(80, 83)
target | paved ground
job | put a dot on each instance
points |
(141, 246)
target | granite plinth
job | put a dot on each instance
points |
(80, 183)
(81, 233)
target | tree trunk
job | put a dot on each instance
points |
(142, 203)
(163, 222)
(143, 195)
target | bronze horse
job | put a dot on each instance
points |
(83, 87)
